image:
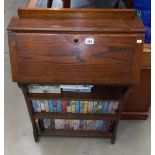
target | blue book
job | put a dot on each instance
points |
(50, 104)
(105, 107)
(81, 107)
(35, 105)
(77, 107)
(59, 106)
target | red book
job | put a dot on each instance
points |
(64, 106)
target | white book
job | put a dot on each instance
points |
(44, 88)
(38, 106)
(56, 123)
(46, 105)
(90, 106)
(42, 105)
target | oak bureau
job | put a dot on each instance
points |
(99, 47)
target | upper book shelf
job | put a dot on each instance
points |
(62, 9)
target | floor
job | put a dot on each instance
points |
(133, 137)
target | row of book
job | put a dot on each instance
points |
(63, 124)
(36, 88)
(75, 106)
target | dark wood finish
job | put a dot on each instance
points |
(79, 13)
(97, 26)
(98, 93)
(66, 3)
(139, 99)
(47, 52)
(73, 133)
(74, 116)
(36, 63)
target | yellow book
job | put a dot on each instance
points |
(73, 106)
(85, 107)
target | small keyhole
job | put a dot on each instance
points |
(76, 40)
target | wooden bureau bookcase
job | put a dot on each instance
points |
(49, 46)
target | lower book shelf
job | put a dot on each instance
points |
(75, 133)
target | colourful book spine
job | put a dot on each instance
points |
(105, 125)
(75, 124)
(89, 124)
(114, 107)
(84, 124)
(71, 124)
(38, 106)
(66, 125)
(56, 123)
(55, 105)
(35, 105)
(64, 106)
(42, 105)
(59, 106)
(81, 125)
(61, 121)
(99, 107)
(47, 123)
(85, 107)
(94, 107)
(52, 124)
(46, 105)
(90, 107)
(73, 106)
(81, 106)
(93, 125)
(77, 106)
(50, 104)
(97, 125)
(105, 107)
(100, 127)
(69, 109)
(110, 107)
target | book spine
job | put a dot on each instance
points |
(59, 106)
(99, 107)
(90, 107)
(81, 106)
(38, 106)
(69, 109)
(94, 107)
(66, 124)
(42, 105)
(52, 124)
(77, 107)
(110, 107)
(71, 124)
(85, 107)
(73, 106)
(46, 105)
(64, 106)
(105, 107)
(50, 104)
(54, 105)
(84, 124)
(35, 105)
(81, 125)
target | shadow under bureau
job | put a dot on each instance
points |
(99, 47)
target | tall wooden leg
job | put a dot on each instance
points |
(66, 3)
(25, 91)
(119, 111)
(49, 3)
